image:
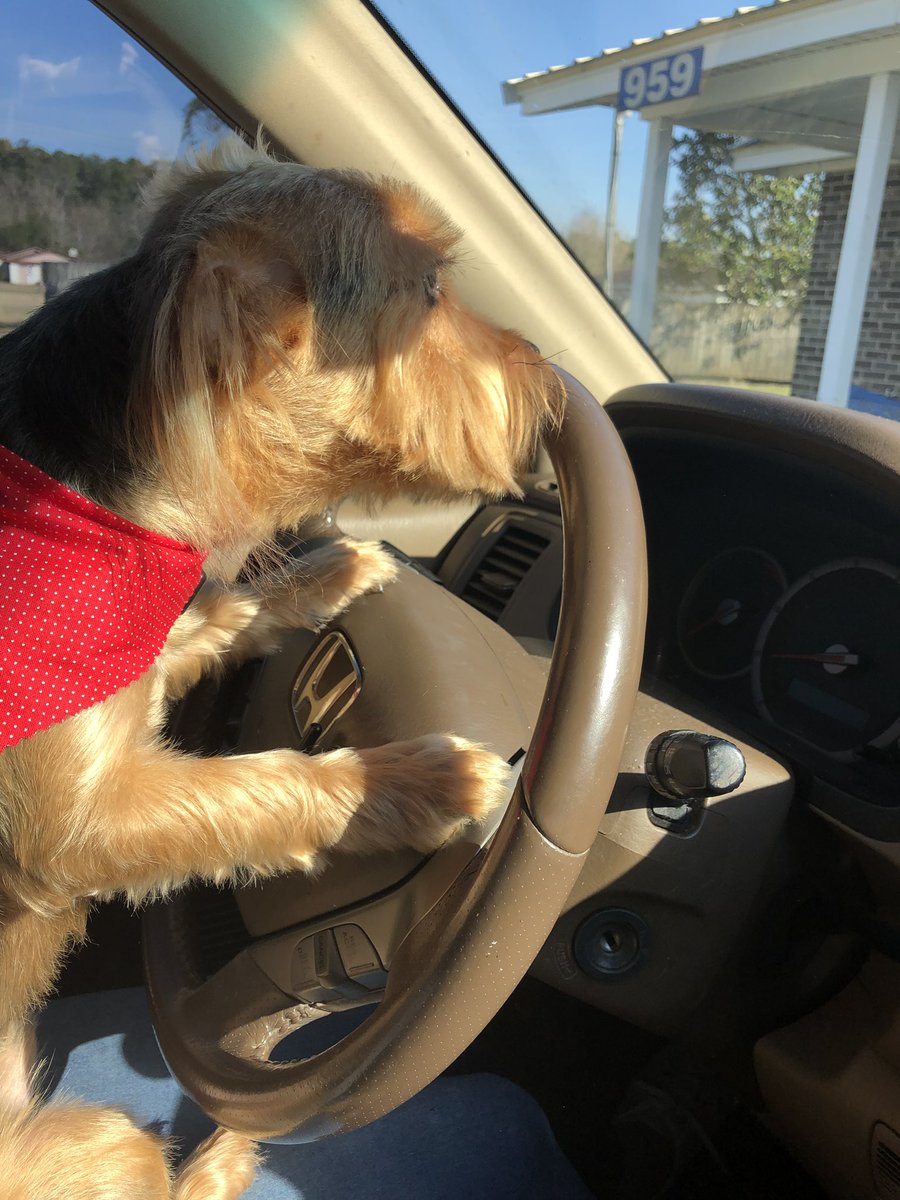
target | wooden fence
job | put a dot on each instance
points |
(703, 339)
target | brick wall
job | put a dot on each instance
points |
(878, 356)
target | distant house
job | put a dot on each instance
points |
(28, 266)
(45, 269)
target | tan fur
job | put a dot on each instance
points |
(70, 1151)
(304, 344)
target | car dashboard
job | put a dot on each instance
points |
(774, 579)
(774, 571)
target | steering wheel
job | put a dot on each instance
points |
(440, 943)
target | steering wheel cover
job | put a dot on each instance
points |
(460, 963)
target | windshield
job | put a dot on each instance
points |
(722, 175)
(726, 177)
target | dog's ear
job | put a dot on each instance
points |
(217, 317)
(221, 327)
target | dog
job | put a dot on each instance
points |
(282, 338)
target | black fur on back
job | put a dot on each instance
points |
(65, 378)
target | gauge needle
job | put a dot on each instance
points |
(834, 660)
(726, 614)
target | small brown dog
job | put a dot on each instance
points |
(282, 338)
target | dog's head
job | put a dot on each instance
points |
(303, 341)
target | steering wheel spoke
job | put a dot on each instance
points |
(342, 959)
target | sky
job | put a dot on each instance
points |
(561, 159)
(71, 80)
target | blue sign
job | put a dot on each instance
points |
(663, 79)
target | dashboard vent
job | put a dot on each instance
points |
(494, 581)
(886, 1161)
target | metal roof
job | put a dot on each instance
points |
(788, 74)
(741, 16)
(32, 256)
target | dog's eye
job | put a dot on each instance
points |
(432, 288)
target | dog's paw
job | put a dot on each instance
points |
(426, 791)
(364, 567)
(221, 1168)
(327, 581)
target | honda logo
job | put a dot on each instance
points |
(327, 684)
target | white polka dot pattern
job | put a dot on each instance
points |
(87, 599)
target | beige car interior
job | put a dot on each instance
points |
(637, 903)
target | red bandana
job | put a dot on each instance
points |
(86, 599)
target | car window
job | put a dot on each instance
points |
(724, 175)
(86, 115)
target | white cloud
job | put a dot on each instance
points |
(40, 68)
(128, 57)
(149, 145)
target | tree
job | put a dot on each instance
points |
(749, 236)
(59, 200)
(201, 126)
(586, 238)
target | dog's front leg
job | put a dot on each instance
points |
(225, 626)
(172, 816)
(325, 582)
(221, 1168)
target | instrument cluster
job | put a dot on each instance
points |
(819, 651)
(774, 597)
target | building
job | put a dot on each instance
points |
(807, 85)
(27, 267)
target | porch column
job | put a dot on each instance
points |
(876, 144)
(649, 229)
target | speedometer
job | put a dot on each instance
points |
(723, 608)
(826, 666)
